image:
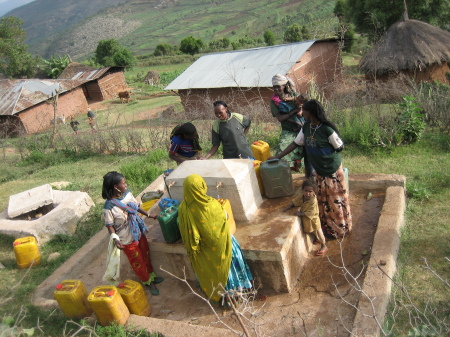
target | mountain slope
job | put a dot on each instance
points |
(142, 24)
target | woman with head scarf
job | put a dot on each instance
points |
(284, 106)
(184, 143)
(215, 254)
(323, 145)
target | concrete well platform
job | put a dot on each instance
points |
(315, 298)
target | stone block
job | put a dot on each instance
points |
(30, 200)
(63, 219)
(233, 179)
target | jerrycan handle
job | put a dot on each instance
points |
(272, 161)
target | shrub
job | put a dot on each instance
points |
(411, 122)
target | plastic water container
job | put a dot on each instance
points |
(256, 165)
(346, 178)
(167, 202)
(135, 299)
(261, 150)
(277, 178)
(27, 252)
(148, 204)
(169, 225)
(227, 207)
(108, 305)
(71, 296)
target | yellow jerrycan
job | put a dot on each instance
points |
(134, 296)
(261, 150)
(256, 165)
(108, 305)
(27, 252)
(71, 296)
(227, 207)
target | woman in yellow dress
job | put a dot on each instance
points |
(215, 254)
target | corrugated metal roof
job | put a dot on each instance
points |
(241, 68)
(18, 95)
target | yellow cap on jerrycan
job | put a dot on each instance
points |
(27, 252)
(256, 165)
(134, 296)
(261, 150)
(227, 207)
(108, 305)
(71, 296)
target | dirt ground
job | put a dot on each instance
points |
(318, 306)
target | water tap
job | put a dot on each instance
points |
(219, 184)
(171, 184)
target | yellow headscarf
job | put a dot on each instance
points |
(206, 235)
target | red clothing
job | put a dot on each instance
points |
(139, 256)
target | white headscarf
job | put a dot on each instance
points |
(279, 79)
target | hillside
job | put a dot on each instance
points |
(75, 26)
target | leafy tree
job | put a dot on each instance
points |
(305, 33)
(191, 45)
(15, 61)
(219, 44)
(164, 49)
(112, 53)
(269, 38)
(56, 65)
(372, 17)
(293, 33)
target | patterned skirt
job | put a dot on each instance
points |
(334, 207)
(240, 275)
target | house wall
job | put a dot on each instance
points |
(199, 102)
(38, 117)
(321, 64)
(435, 72)
(111, 84)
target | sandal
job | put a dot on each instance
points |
(158, 279)
(322, 252)
(153, 290)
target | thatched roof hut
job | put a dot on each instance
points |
(410, 47)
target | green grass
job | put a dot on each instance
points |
(425, 165)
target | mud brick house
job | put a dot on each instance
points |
(24, 106)
(244, 77)
(99, 84)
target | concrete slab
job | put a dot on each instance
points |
(316, 304)
(29, 200)
(233, 179)
(70, 206)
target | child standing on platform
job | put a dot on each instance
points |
(308, 211)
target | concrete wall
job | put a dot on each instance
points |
(38, 117)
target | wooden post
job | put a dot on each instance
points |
(54, 102)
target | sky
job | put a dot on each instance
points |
(9, 5)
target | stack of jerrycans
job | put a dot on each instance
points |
(277, 178)
(168, 221)
(71, 296)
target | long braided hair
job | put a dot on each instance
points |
(314, 107)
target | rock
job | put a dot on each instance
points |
(53, 256)
(2, 266)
